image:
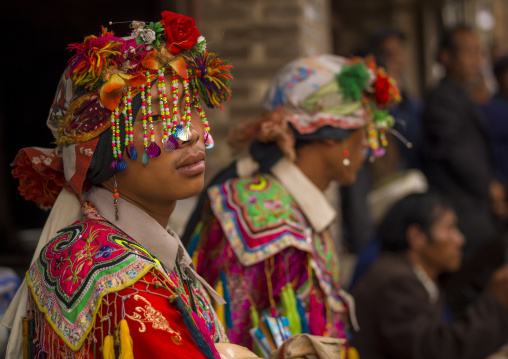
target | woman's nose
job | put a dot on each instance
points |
(193, 136)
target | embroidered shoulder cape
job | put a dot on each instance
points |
(92, 265)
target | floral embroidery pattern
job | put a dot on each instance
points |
(148, 314)
(258, 217)
(86, 151)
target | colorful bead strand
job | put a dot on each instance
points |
(114, 163)
(145, 157)
(129, 128)
(382, 137)
(153, 149)
(209, 143)
(168, 141)
(161, 88)
(176, 94)
(184, 128)
(118, 164)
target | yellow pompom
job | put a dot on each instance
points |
(108, 347)
(126, 347)
(352, 353)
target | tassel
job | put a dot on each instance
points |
(208, 349)
(303, 317)
(112, 166)
(196, 235)
(227, 315)
(25, 338)
(254, 316)
(289, 309)
(317, 325)
(131, 152)
(31, 334)
(200, 323)
(108, 347)
(213, 78)
(126, 346)
(220, 310)
(254, 319)
(121, 165)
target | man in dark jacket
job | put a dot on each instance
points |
(399, 306)
(456, 152)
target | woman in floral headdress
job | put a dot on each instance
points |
(109, 279)
(261, 233)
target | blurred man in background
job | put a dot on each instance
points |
(496, 114)
(399, 305)
(456, 150)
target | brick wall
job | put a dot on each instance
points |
(259, 36)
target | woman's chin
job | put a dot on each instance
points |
(191, 188)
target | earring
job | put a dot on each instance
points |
(346, 161)
(115, 198)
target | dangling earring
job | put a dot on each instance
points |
(115, 198)
(346, 161)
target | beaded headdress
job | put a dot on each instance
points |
(116, 69)
(106, 78)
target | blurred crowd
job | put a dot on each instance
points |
(453, 151)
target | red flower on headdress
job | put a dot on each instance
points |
(181, 32)
(382, 86)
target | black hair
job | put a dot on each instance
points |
(422, 209)
(448, 40)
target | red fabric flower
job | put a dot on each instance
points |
(382, 86)
(40, 172)
(39, 181)
(181, 32)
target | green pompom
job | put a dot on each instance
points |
(352, 81)
(380, 117)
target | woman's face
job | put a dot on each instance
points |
(173, 175)
(355, 144)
